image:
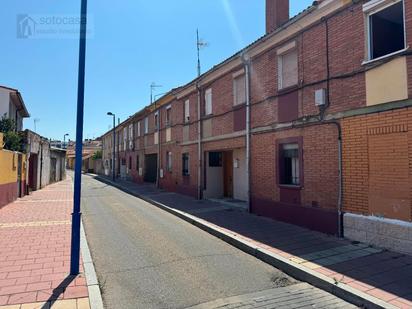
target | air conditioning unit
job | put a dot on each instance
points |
(320, 97)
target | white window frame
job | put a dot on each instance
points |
(131, 132)
(186, 112)
(168, 111)
(208, 103)
(373, 7)
(138, 128)
(124, 139)
(146, 125)
(186, 154)
(156, 123)
(284, 50)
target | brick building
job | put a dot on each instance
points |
(309, 124)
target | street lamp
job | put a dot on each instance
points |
(114, 145)
(76, 215)
(64, 140)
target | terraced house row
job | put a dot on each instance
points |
(311, 124)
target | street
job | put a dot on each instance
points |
(147, 258)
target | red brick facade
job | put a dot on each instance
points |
(331, 50)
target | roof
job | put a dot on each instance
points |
(18, 100)
(256, 42)
(241, 52)
(56, 149)
(149, 108)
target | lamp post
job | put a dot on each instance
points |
(114, 146)
(64, 141)
(76, 215)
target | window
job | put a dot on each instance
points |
(137, 163)
(386, 28)
(208, 102)
(169, 161)
(124, 139)
(130, 163)
(185, 164)
(138, 128)
(168, 112)
(288, 69)
(131, 132)
(289, 164)
(187, 111)
(239, 90)
(156, 120)
(215, 159)
(146, 125)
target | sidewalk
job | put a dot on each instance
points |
(354, 271)
(35, 235)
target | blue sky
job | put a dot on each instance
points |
(133, 43)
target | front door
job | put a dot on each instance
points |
(228, 173)
(33, 171)
(150, 174)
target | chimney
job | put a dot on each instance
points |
(277, 13)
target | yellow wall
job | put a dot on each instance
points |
(387, 83)
(8, 165)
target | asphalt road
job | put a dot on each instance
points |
(147, 258)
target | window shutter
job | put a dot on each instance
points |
(208, 102)
(288, 69)
(240, 89)
(187, 111)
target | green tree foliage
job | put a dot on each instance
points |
(97, 155)
(12, 140)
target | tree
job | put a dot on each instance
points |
(12, 139)
(97, 155)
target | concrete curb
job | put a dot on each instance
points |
(95, 297)
(318, 280)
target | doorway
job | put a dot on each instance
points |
(33, 171)
(228, 174)
(150, 174)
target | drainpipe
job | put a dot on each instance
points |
(158, 147)
(41, 163)
(340, 181)
(246, 62)
(338, 126)
(199, 144)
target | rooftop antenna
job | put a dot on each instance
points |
(200, 44)
(35, 120)
(153, 87)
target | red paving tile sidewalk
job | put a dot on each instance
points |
(35, 234)
(376, 272)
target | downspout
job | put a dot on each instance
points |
(199, 144)
(340, 181)
(338, 126)
(41, 163)
(159, 112)
(246, 62)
